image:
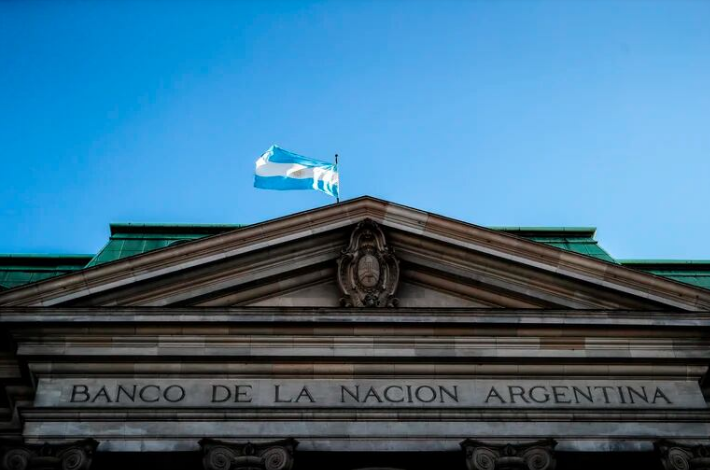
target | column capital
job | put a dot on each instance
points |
(225, 455)
(679, 456)
(77, 455)
(538, 455)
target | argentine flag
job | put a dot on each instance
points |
(283, 170)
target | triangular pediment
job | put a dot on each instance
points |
(293, 261)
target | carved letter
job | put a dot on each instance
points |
(621, 395)
(180, 396)
(604, 388)
(493, 393)
(131, 396)
(389, 398)
(355, 396)
(417, 393)
(560, 395)
(372, 393)
(228, 394)
(76, 391)
(454, 396)
(545, 397)
(631, 391)
(277, 398)
(305, 393)
(238, 394)
(519, 391)
(588, 396)
(103, 393)
(141, 394)
(660, 394)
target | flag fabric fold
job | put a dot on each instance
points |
(283, 170)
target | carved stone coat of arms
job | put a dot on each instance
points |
(368, 272)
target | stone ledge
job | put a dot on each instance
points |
(607, 318)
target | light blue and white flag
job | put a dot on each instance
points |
(283, 170)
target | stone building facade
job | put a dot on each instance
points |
(358, 335)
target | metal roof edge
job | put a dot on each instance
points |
(664, 261)
(687, 264)
(542, 231)
(134, 227)
(46, 255)
(44, 260)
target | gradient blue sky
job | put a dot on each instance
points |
(498, 113)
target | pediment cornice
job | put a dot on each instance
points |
(413, 228)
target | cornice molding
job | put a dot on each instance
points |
(442, 369)
(352, 316)
(549, 415)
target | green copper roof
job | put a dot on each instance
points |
(16, 269)
(577, 239)
(695, 272)
(129, 239)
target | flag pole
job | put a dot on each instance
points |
(337, 198)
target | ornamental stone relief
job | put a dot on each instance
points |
(537, 455)
(677, 456)
(368, 272)
(71, 456)
(222, 455)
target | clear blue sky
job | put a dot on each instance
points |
(498, 113)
